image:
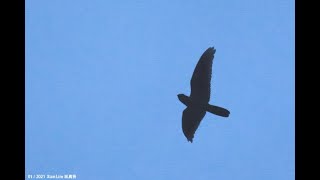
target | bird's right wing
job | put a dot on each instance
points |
(201, 77)
(191, 119)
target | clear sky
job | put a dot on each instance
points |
(102, 79)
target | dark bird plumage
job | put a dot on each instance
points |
(198, 102)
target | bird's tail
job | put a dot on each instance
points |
(217, 110)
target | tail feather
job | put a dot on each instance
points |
(218, 110)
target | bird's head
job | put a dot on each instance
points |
(184, 99)
(182, 96)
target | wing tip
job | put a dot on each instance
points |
(211, 50)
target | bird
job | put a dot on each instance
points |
(198, 101)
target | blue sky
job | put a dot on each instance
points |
(102, 79)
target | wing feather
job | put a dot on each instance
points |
(191, 119)
(201, 78)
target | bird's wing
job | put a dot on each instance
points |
(191, 119)
(201, 78)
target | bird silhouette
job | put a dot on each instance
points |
(198, 101)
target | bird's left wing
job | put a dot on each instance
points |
(201, 78)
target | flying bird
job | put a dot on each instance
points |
(198, 101)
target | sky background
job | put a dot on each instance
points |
(102, 79)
